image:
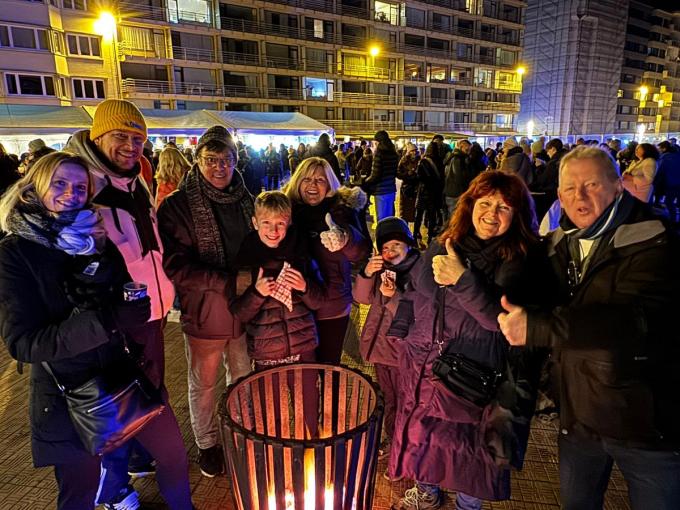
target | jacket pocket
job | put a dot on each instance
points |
(446, 405)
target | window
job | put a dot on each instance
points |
(79, 5)
(83, 45)
(88, 89)
(29, 84)
(23, 37)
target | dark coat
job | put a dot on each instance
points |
(8, 172)
(382, 179)
(431, 177)
(38, 323)
(545, 183)
(274, 332)
(458, 174)
(380, 342)
(203, 290)
(439, 437)
(407, 172)
(346, 208)
(667, 180)
(321, 150)
(518, 162)
(614, 339)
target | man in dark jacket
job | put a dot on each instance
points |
(323, 149)
(457, 176)
(382, 182)
(613, 337)
(202, 225)
(667, 179)
(544, 186)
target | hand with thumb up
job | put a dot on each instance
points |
(335, 238)
(447, 269)
(513, 322)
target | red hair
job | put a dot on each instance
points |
(523, 229)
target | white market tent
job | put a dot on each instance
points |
(273, 123)
(16, 119)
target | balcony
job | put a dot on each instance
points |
(283, 63)
(243, 59)
(367, 72)
(260, 27)
(358, 97)
(194, 54)
(289, 94)
(131, 10)
(131, 86)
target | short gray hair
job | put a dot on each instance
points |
(601, 158)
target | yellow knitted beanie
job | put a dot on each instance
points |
(117, 114)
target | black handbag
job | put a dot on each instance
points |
(464, 377)
(107, 411)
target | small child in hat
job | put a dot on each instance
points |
(384, 285)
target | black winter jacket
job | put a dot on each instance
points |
(274, 332)
(383, 173)
(458, 174)
(38, 323)
(346, 208)
(614, 335)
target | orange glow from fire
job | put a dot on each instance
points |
(309, 493)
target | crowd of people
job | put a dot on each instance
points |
(264, 255)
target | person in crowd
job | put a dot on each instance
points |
(202, 226)
(491, 158)
(614, 147)
(188, 154)
(487, 250)
(331, 217)
(172, 166)
(580, 141)
(252, 169)
(445, 151)
(539, 156)
(301, 151)
(611, 332)
(638, 178)
(23, 163)
(9, 172)
(363, 166)
(387, 320)
(457, 175)
(293, 160)
(112, 149)
(429, 200)
(515, 160)
(544, 185)
(627, 155)
(407, 171)
(285, 164)
(61, 303)
(280, 329)
(667, 180)
(322, 149)
(381, 183)
(36, 150)
(272, 163)
(477, 160)
(341, 156)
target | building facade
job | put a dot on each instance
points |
(357, 65)
(601, 69)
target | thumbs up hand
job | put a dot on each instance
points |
(513, 322)
(335, 238)
(447, 268)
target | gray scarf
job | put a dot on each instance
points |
(201, 196)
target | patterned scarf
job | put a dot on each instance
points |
(201, 196)
(74, 232)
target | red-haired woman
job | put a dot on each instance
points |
(442, 440)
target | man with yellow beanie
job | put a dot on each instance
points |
(113, 150)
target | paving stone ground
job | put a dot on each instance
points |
(23, 487)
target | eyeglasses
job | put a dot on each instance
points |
(213, 161)
(317, 181)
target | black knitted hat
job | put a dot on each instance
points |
(217, 133)
(391, 229)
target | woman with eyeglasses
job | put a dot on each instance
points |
(332, 216)
(202, 225)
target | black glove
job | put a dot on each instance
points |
(127, 314)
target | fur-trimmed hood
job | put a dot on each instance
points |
(354, 198)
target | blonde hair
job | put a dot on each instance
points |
(172, 165)
(305, 169)
(38, 179)
(601, 158)
(273, 201)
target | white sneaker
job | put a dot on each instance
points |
(128, 500)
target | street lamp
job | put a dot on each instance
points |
(374, 51)
(640, 132)
(530, 129)
(643, 92)
(521, 70)
(105, 25)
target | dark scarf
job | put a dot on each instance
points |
(610, 219)
(74, 232)
(255, 254)
(482, 255)
(202, 195)
(403, 268)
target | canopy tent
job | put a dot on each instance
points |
(36, 120)
(271, 123)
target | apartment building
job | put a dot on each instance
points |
(413, 67)
(601, 69)
(648, 98)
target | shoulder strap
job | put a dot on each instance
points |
(47, 368)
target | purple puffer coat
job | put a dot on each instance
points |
(438, 437)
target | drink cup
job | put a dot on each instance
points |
(133, 291)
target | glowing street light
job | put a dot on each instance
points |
(105, 25)
(640, 132)
(521, 70)
(643, 92)
(374, 51)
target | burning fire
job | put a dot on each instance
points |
(309, 493)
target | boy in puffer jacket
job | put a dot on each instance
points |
(277, 308)
(384, 284)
